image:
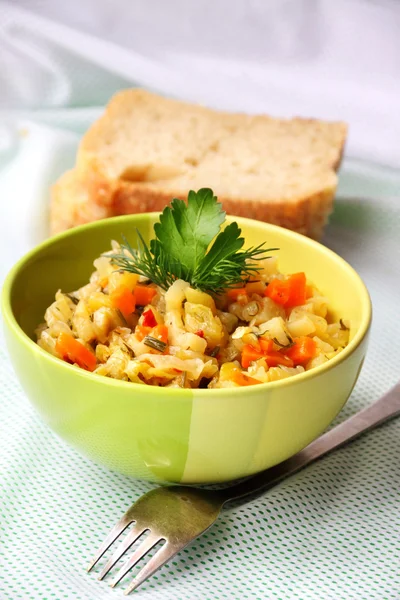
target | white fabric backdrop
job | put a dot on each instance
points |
(338, 60)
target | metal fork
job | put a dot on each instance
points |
(177, 515)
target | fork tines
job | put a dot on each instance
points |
(165, 552)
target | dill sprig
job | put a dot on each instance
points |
(142, 261)
(182, 248)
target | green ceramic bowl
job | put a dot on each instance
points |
(190, 436)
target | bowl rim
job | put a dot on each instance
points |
(182, 393)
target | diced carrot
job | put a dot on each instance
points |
(238, 295)
(141, 331)
(278, 291)
(243, 379)
(266, 345)
(123, 299)
(149, 319)
(303, 350)
(249, 354)
(288, 292)
(271, 357)
(200, 333)
(144, 294)
(234, 293)
(74, 352)
(160, 332)
(274, 358)
(298, 285)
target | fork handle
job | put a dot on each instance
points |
(383, 409)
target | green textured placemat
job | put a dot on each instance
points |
(329, 533)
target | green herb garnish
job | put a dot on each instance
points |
(154, 343)
(74, 299)
(122, 318)
(215, 352)
(288, 345)
(182, 250)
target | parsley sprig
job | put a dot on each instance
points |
(190, 245)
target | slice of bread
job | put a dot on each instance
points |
(147, 149)
(75, 201)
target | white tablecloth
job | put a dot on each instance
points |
(331, 532)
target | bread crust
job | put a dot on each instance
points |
(87, 193)
(76, 201)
